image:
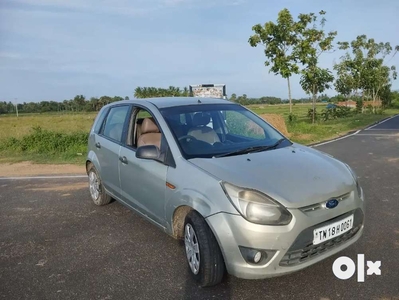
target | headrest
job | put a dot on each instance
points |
(149, 126)
(200, 119)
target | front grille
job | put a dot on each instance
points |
(321, 205)
(302, 251)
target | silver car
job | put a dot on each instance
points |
(244, 198)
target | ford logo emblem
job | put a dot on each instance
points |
(332, 203)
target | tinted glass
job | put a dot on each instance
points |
(214, 129)
(114, 122)
(100, 119)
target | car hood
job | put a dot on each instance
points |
(295, 176)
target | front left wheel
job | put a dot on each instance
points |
(205, 260)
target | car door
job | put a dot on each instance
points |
(108, 145)
(143, 182)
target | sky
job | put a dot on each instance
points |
(56, 49)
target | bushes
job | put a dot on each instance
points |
(336, 112)
(359, 106)
(47, 142)
(292, 118)
(374, 110)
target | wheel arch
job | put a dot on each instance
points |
(179, 217)
(180, 204)
(92, 160)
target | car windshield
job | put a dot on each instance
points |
(216, 130)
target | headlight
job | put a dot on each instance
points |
(256, 207)
(358, 187)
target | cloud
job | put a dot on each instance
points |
(123, 7)
(174, 2)
(119, 7)
(10, 55)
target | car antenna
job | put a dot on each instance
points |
(199, 101)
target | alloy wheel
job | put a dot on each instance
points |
(192, 248)
(94, 185)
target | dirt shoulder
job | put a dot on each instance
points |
(31, 169)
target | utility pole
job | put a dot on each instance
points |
(16, 105)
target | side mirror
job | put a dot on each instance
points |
(148, 152)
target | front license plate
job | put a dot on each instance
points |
(333, 230)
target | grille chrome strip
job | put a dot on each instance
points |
(321, 205)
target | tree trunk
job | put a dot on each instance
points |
(289, 94)
(314, 105)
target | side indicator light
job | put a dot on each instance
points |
(171, 186)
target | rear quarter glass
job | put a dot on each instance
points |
(99, 120)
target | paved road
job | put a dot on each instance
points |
(56, 244)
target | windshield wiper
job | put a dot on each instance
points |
(274, 146)
(251, 149)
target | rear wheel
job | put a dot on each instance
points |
(97, 191)
(203, 254)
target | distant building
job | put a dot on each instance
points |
(208, 90)
(349, 103)
(352, 104)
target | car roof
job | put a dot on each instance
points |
(164, 102)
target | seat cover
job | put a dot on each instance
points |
(202, 132)
(150, 134)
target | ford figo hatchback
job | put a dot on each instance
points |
(244, 198)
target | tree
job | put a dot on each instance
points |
(126, 97)
(138, 92)
(312, 43)
(186, 92)
(78, 102)
(279, 40)
(316, 81)
(171, 91)
(364, 63)
(386, 96)
(233, 97)
(377, 79)
(395, 99)
(345, 83)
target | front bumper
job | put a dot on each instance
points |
(291, 245)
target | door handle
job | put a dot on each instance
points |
(123, 159)
(98, 145)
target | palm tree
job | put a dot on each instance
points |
(185, 92)
(94, 103)
(138, 92)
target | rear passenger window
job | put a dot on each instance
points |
(114, 122)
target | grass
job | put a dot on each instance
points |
(300, 110)
(306, 133)
(11, 126)
(62, 138)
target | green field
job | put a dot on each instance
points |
(61, 138)
(304, 132)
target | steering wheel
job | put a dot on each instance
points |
(187, 138)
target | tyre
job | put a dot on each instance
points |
(97, 191)
(203, 254)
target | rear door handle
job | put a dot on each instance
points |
(98, 145)
(123, 159)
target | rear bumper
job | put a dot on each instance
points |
(289, 248)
